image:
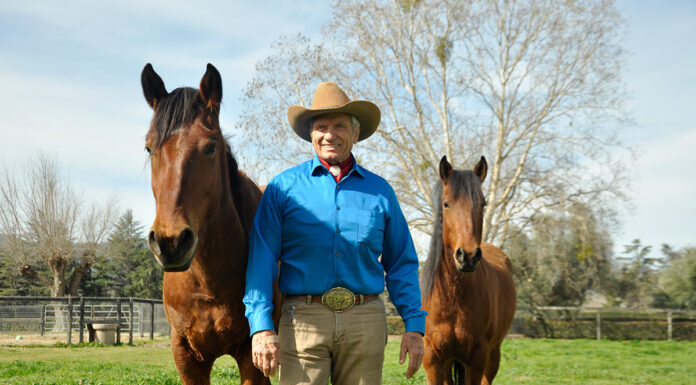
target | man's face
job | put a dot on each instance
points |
(333, 137)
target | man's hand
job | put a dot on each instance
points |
(265, 352)
(412, 343)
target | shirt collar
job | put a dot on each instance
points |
(316, 164)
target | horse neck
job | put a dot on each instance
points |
(454, 283)
(223, 244)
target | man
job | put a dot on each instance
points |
(328, 221)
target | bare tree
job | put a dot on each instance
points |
(44, 222)
(533, 85)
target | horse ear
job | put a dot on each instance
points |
(445, 169)
(211, 88)
(153, 86)
(481, 168)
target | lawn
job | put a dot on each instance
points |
(525, 361)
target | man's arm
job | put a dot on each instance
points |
(262, 268)
(401, 267)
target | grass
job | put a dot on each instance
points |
(525, 361)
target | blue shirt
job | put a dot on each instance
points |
(329, 234)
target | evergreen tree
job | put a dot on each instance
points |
(130, 269)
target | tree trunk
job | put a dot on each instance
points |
(78, 273)
(58, 265)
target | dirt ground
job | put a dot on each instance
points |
(52, 339)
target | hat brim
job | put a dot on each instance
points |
(367, 113)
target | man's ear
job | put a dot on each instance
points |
(356, 135)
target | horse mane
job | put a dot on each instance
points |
(177, 111)
(465, 183)
(174, 112)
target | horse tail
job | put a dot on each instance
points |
(459, 373)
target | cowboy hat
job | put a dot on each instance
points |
(328, 98)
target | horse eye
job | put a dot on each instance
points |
(148, 149)
(210, 149)
(445, 204)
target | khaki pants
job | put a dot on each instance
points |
(317, 343)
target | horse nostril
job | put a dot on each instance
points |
(477, 255)
(185, 241)
(460, 254)
(153, 243)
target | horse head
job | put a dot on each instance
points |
(188, 159)
(462, 213)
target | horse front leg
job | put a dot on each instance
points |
(492, 367)
(437, 371)
(474, 371)
(193, 369)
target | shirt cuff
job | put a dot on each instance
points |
(258, 322)
(415, 324)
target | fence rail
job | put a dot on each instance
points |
(68, 315)
(598, 323)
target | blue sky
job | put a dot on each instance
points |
(70, 76)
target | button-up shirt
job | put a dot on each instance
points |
(328, 234)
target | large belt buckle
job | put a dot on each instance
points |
(338, 299)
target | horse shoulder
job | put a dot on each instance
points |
(495, 256)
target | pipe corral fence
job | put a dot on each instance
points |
(26, 320)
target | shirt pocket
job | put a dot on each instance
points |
(370, 229)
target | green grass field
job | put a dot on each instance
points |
(525, 361)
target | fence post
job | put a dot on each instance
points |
(82, 319)
(152, 320)
(669, 326)
(599, 325)
(130, 321)
(43, 321)
(69, 319)
(118, 320)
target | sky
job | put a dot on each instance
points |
(70, 81)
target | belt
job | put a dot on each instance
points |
(338, 299)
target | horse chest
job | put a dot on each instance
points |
(203, 321)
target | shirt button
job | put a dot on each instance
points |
(338, 230)
(338, 207)
(337, 254)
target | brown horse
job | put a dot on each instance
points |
(205, 207)
(467, 285)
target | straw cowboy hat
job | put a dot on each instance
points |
(328, 97)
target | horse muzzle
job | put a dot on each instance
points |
(173, 253)
(467, 263)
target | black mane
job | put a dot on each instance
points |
(464, 183)
(175, 111)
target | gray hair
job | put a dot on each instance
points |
(353, 120)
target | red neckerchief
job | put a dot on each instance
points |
(345, 167)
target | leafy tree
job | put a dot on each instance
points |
(561, 258)
(12, 283)
(635, 278)
(677, 283)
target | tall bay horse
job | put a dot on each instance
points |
(466, 284)
(205, 207)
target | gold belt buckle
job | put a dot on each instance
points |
(338, 299)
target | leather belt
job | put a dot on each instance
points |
(338, 299)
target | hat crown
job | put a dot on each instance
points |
(329, 95)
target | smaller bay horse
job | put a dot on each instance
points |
(466, 284)
(205, 207)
